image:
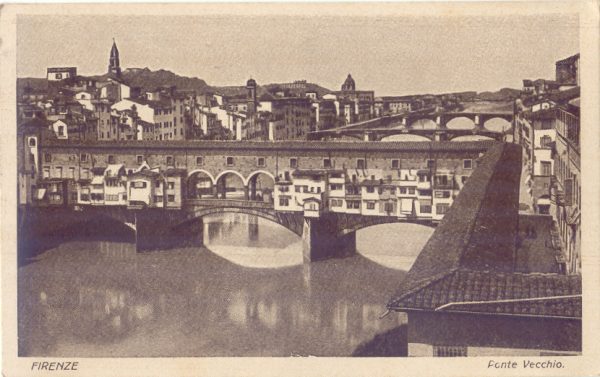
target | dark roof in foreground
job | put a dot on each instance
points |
(471, 291)
(468, 263)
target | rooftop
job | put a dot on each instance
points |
(471, 291)
(470, 262)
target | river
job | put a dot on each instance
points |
(245, 293)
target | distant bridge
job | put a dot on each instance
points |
(413, 124)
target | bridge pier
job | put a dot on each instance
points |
(320, 241)
(440, 136)
(253, 228)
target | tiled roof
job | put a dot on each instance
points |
(479, 231)
(501, 293)
(468, 264)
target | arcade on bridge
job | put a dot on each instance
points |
(230, 184)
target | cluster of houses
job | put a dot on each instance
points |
(111, 107)
(114, 185)
(547, 126)
(411, 194)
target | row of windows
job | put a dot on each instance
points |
(261, 161)
(441, 209)
(306, 189)
(159, 198)
(115, 198)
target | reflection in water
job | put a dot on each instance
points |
(102, 298)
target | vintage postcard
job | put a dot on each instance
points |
(275, 189)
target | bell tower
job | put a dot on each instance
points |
(114, 65)
(251, 96)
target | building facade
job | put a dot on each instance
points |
(60, 73)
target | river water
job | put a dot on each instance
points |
(245, 293)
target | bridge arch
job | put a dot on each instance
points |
(292, 222)
(405, 137)
(227, 186)
(379, 243)
(368, 224)
(497, 124)
(258, 172)
(261, 189)
(195, 171)
(423, 124)
(225, 172)
(461, 122)
(474, 137)
(200, 183)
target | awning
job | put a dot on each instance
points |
(40, 193)
(97, 180)
(406, 205)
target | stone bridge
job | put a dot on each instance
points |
(413, 124)
(213, 163)
(331, 235)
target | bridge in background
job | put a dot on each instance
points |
(413, 124)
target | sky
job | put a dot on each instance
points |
(391, 55)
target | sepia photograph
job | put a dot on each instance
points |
(316, 184)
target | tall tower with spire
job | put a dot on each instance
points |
(114, 66)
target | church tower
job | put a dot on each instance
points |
(251, 96)
(114, 66)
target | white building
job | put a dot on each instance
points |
(60, 129)
(115, 185)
